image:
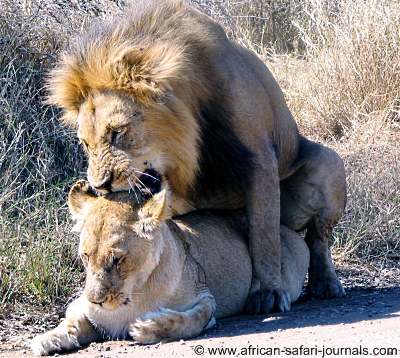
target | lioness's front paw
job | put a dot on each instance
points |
(44, 345)
(156, 326)
(49, 343)
(145, 332)
(267, 301)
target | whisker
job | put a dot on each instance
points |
(134, 191)
(144, 186)
(146, 174)
(134, 293)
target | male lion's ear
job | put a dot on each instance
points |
(148, 72)
(79, 197)
(157, 208)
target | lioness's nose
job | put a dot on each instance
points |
(96, 295)
(97, 301)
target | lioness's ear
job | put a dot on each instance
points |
(80, 196)
(156, 208)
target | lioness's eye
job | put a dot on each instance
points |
(85, 258)
(84, 144)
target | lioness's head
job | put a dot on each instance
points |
(132, 101)
(120, 241)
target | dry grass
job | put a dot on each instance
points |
(370, 228)
(347, 74)
(337, 62)
(38, 158)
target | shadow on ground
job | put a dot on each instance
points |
(358, 305)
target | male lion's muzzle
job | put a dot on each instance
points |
(151, 181)
(104, 185)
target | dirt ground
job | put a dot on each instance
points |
(364, 323)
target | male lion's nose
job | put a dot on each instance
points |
(105, 184)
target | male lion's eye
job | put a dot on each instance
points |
(117, 261)
(136, 114)
(115, 135)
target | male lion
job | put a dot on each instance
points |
(152, 278)
(161, 91)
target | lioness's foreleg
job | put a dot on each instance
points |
(74, 331)
(167, 324)
(263, 211)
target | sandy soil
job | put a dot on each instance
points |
(364, 319)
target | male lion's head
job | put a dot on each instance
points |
(123, 151)
(133, 101)
(121, 240)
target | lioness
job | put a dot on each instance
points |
(161, 91)
(153, 278)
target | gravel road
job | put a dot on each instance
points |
(364, 320)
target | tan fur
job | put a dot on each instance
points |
(152, 278)
(158, 75)
(141, 90)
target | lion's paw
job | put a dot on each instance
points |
(156, 326)
(145, 332)
(267, 301)
(44, 345)
(326, 287)
(80, 185)
(49, 343)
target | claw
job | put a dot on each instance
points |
(323, 288)
(267, 301)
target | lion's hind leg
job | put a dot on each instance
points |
(314, 198)
(322, 281)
